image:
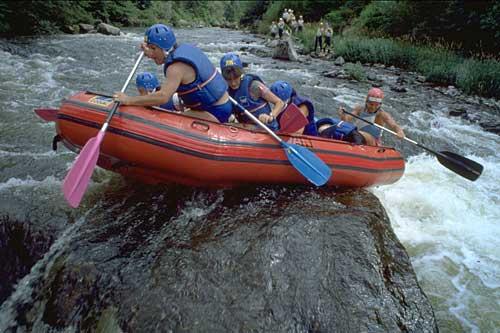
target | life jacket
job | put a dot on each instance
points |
(243, 97)
(309, 129)
(209, 85)
(370, 129)
(340, 129)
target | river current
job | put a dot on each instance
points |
(449, 225)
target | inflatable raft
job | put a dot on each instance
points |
(158, 146)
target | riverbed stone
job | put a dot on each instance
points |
(284, 50)
(339, 61)
(85, 28)
(287, 260)
(108, 29)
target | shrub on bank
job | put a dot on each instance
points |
(438, 65)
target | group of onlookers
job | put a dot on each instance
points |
(288, 24)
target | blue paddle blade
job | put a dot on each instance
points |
(308, 164)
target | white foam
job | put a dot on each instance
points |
(49, 181)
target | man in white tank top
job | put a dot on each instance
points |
(372, 112)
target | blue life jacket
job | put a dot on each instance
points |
(243, 97)
(339, 130)
(309, 129)
(169, 105)
(209, 85)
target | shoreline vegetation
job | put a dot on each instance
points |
(449, 42)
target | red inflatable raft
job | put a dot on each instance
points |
(159, 147)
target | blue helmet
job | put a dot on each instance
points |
(282, 89)
(147, 81)
(230, 59)
(161, 36)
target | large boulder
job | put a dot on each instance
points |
(260, 260)
(107, 29)
(285, 50)
(86, 28)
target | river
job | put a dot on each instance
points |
(449, 225)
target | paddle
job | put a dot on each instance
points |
(292, 119)
(47, 114)
(78, 177)
(302, 159)
(460, 165)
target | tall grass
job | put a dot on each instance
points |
(438, 65)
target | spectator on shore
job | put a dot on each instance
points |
(281, 27)
(300, 24)
(319, 37)
(274, 29)
(328, 38)
(285, 15)
(295, 26)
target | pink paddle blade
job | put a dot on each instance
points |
(47, 114)
(292, 119)
(76, 181)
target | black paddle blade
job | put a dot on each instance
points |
(460, 165)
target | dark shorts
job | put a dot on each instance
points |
(221, 112)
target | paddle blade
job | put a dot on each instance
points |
(47, 114)
(292, 119)
(308, 164)
(76, 181)
(460, 165)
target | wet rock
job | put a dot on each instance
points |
(489, 127)
(452, 91)
(379, 65)
(183, 23)
(285, 50)
(85, 28)
(421, 78)
(372, 77)
(377, 84)
(339, 61)
(21, 245)
(401, 80)
(472, 117)
(398, 88)
(273, 260)
(458, 113)
(71, 29)
(107, 29)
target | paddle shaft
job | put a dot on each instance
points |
(458, 160)
(116, 104)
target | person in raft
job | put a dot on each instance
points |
(334, 128)
(189, 72)
(148, 83)
(372, 112)
(250, 92)
(287, 94)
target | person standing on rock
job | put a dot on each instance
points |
(319, 37)
(300, 24)
(250, 92)
(281, 28)
(372, 112)
(285, 15)
(189, 72)
(328, 38)
(274, 29)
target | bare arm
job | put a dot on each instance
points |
(345, 117)
(257, 89)
(392, 124)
